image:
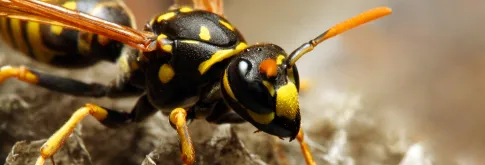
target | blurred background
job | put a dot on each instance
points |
(405, 89)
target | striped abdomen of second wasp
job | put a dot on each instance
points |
(66, 47)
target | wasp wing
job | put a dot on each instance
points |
(43, 12)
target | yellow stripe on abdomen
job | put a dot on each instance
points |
(40, 51)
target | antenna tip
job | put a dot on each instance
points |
(384, 10)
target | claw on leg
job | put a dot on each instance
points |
(305, 149)
(178, 119)
(57, 139)
(21, 73)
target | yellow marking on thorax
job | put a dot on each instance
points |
(185, 9)
(279, 59)
(5, 33)
(227, 25)
(227, 87)
(219, 56)
(190, 41)
(57, 30)
(165, 16)
(18, 36)
(40, 51)
(204, 33)
(261, 118)
(166, 73)
(269, 86)
(165, 47)
(287, 104)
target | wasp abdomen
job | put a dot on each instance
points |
(64, 47)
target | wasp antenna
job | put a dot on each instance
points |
(355, 21)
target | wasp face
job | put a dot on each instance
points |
(260, 89)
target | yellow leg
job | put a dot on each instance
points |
(178, 119)
(214, 6)
(305, 149)
(57, 140)
(21, 73)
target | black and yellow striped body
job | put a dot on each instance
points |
(66, 47)
(194, 49)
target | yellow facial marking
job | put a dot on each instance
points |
(227, 87)
(204, 33)
(165, 16)
(261, 118)
(279, 59)
(287, 104)
(166, 73)
(70, 5)
(57, 30)
(185, 9)
(227, 25)
(190, 41)
(219, 56)
(269, 86)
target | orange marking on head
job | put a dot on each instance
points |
(269, 67)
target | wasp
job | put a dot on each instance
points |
(189, 63)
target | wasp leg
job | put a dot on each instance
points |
(214, 6)
(178, 119)
(305, 149)
(66, 85)
(109, 118)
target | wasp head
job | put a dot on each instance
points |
(261, 89)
